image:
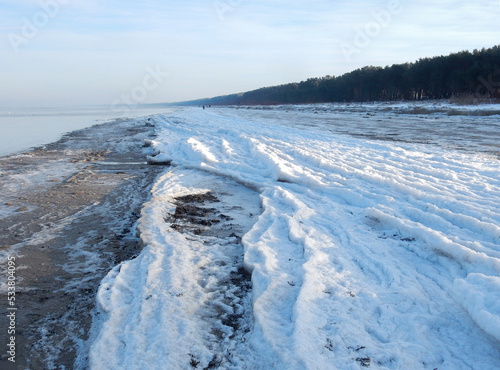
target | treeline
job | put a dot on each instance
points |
(462, 74)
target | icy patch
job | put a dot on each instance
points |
(44, 236)
(470, 128)
(29, 178)
(184, 301)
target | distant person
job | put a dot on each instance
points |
(203, 107)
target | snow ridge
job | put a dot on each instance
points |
(185, 298)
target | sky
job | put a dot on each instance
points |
(82, 52)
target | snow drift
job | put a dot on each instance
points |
(364, 253)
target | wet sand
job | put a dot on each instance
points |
(68, 212)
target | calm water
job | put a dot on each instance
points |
(21, 129)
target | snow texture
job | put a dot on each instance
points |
(365, 253)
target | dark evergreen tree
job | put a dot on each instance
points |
(475, 74)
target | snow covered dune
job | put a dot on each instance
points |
(364, 253)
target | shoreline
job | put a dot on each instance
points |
(69, 212)
(25, 129)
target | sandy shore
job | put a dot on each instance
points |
(68, 212)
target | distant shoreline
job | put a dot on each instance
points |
(465, 102)
(463, 75)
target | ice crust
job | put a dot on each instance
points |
(365, 253)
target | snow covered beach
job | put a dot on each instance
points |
(362, 252)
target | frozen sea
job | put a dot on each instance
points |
(24, 128)
(371, 233)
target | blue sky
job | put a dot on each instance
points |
(70, 52)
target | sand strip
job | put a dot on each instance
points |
(68, 214)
